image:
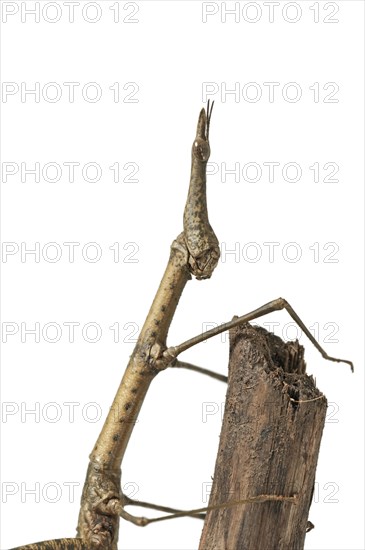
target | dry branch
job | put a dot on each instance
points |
(269, 444)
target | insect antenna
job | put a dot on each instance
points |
(209, 114)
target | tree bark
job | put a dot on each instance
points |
(269, 444)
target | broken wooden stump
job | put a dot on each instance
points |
(269, 444)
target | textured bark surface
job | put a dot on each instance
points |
(269, 444)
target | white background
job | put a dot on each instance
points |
(169, 52)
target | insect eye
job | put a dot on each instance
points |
(201, 149)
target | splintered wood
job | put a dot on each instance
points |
(269, 444)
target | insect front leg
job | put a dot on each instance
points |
(142, 521)
(280, 303)
(198, 512)
(201, 370)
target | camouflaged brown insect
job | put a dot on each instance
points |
(195, 252)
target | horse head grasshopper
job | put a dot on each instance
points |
(195, 252)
